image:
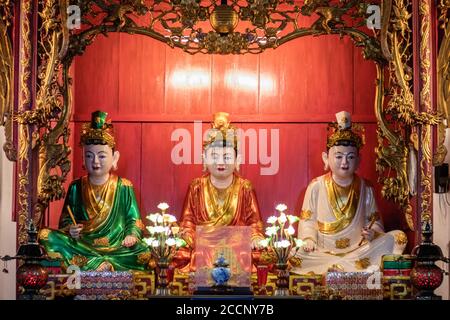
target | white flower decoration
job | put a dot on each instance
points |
(159, 229)
(290, 231)
(153, 217)
(163, 206)
(292, 219)
(272, 219)
(299, 242)
(282, 244)
(282, 218)
(155, 243)
(281, 207)
(270, 231)
(169, 218)
(149, 241)
(170, 242)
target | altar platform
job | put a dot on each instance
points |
(142, 286)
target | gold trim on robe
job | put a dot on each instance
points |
(98, 201)
(206, 205)
(221, 211)
(344, 203)
(305, 214)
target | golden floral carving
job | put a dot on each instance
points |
(393, 134)
(6, 79)
(443, 82)
(23, 178)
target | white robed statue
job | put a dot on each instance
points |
(339, 222)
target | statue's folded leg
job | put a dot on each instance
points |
(369, 255)
(359, 259)
(77, 252)
(69, 250)
(316, 261)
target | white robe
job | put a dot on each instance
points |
(320, 260)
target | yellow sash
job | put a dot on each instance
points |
(221, 214)
(344, 203)
(98, 201)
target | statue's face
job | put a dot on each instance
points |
(343, 161)
(220, 161)
(99, 159)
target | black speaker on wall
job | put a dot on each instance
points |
(441, 178)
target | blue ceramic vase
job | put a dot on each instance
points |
(221, 273)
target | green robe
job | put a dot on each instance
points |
(107, 220)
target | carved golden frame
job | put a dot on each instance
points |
(403, 121)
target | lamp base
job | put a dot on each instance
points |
(427, 295)
(162, 291)
(31, 296)
(224, 290)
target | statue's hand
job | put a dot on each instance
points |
(368, 234)
(129, 241)
(309, 245)
(75, 230)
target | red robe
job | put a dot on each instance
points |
(240, 208)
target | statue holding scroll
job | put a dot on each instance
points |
(339, 222)
(100, 227)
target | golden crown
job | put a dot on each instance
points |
(98, 131)
(222, 132)
(343, 131)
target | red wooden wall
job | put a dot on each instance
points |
(150, 89)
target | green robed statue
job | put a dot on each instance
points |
(100, 227)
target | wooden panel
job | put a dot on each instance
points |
(244, 118)
(235, 84)
(129, 144)
(188, 83)
(141, 75)
(162, 179)
(271, 68)
(315, 76)
(283, 186)
(97, 83)
(365, 83)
